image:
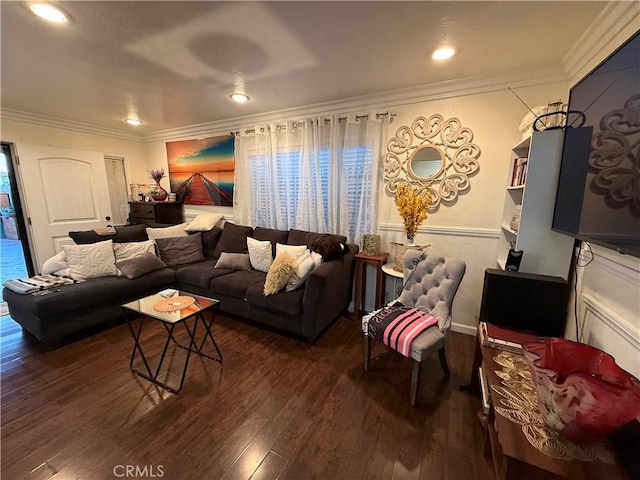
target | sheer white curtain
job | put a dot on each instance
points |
(318, 174)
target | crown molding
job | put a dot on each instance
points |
(617, 19)
(365, 103)
(64, 124)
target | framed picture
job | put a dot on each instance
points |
(137, 189)
(201, 171)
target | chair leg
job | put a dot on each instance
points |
(443, 362)
(415, 374)
(367, 352)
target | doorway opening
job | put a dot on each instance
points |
(15, 255)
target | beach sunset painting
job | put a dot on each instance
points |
(201, 171)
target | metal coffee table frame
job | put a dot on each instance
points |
(170, 328)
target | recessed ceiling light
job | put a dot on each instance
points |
(443, 53)
(48, 12)
(239, 97)
(133, 121)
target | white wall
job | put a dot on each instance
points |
(469, 227)
(27, 132)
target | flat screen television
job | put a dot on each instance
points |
(525, 301)
(598, 195)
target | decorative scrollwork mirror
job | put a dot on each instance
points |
(434, 154)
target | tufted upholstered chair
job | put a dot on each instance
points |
(430, 282)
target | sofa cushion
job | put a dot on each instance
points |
(204, 222)
(271, 234)
(302, 268)
(300, 237)
(128, 250)
(284, 302)
(210, 240)
(235, 284)
(92, 292)
(180, 250)
(91, 261)
(233, 239)
(279, 273)
(329, 248)
(260, 254)
(167, 232)
(234, 261)
(200, 274)
(137, 266)
(124, 233)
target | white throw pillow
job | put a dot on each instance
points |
(129, 250)
(317, 258)
(90, 261)
(260, 254)
(204, 222)
(302, 268)
(54, 264)
(167, 232)
(294, 250)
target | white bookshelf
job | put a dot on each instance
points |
(545, 252)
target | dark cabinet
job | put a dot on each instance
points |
(155, 214)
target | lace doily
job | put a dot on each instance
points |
(519, 404)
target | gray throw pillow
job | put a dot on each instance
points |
(137, 266)
(234, 261)
(180, 250)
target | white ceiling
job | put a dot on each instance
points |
(173, 63)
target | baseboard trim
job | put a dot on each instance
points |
(463, 328)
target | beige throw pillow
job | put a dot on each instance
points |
(302, 268)
(260, 254)
(91, 261)
(167, 232)
(204, 222)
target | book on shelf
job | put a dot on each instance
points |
(514, 223)
(504, 338)
(518, 172)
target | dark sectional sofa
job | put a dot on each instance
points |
(305, 312)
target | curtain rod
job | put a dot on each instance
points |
(340, 119)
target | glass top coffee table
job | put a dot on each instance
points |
(171, 308)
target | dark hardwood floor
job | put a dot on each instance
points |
(276, 408)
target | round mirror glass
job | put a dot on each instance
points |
(426, 162)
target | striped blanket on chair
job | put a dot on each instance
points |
(398, 326)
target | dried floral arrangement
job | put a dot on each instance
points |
(412, 204)
(157, 174)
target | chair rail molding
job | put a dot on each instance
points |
(441, 230)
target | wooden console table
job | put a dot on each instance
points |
(515, 458)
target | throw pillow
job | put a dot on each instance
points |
(271, 234)
(279, 273)
(167, 232)
(180, 250)
(294, 250)
(329, 248)
(137, 266)
(54, 264)
(302, 268)
(260, 254)
(234, 261)
(126, 251)
(91, 261)
(204, 222)
(124, 233)
(210, 240)
(233, 239)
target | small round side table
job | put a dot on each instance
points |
(397, 290)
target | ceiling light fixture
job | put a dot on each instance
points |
(239, 97)
(443, 53)
(48, 12)
(133, 121)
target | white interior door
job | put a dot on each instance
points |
(63, 190)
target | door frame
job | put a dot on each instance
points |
(16, 195)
